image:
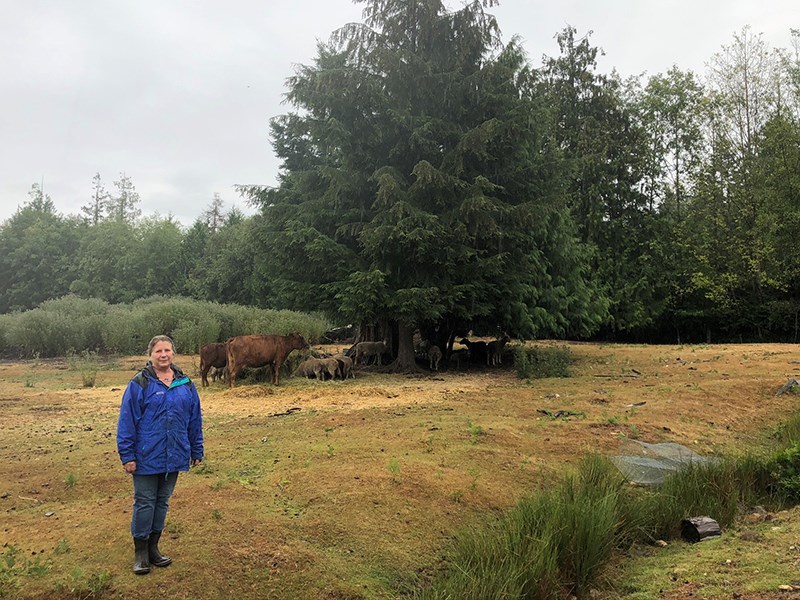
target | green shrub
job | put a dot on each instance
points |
(57, 326)
(785, 470)
(540, 362)
(5, 325)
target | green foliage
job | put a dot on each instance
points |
(717, 488)
(80, 329)
(475, 431)
(394, 469)
(81, 585)
(557, 201)
(57, 326)
(14, 567)
(9, 572)
(38, 254)
(542, 361)
(785, 470)
(788, 433)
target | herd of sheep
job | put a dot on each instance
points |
(227, 359)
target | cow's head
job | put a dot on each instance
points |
(297, 341)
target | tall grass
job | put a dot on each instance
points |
(75, 325)
(717, 490)
(551, 544)
(558, 542)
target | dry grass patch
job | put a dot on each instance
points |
(358, 493)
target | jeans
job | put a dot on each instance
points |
(150, 503)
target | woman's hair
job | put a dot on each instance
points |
(159, 338)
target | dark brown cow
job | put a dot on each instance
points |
(259, 351)
(212, 355)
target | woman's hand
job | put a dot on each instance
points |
(196, 461)
(129, 467)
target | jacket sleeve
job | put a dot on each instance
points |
(196, 426)
(130, 412)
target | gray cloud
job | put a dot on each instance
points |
(178, 95)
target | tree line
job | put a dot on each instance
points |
(433, 178)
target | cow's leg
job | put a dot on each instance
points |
(277, 371)
(204, 374)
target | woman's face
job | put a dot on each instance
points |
(161, 355)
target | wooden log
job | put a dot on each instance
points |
(698, 529)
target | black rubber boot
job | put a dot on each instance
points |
(156, 558)
(141, 565)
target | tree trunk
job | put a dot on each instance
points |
(405, 361)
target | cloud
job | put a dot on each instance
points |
(178, 95)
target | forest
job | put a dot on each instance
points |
(545, 200)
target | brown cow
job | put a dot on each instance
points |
(212, 355)
(259, 351)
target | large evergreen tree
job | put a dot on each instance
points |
(420, 183)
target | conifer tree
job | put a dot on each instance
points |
(420, 183)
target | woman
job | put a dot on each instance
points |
(159, 433)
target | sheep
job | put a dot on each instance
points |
(459, 357)
(477, 350)
(317, 367)
(434, 356)
(494, 351)
(345, 366)
(306, 368)
(326, 365)
(364, 350)
(217, 373)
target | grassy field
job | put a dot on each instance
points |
(348, 490)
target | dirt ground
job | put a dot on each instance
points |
(354, 489)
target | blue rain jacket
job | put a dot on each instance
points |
(160, 427)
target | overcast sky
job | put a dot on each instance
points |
(177, 94)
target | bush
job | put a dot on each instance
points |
(72, 323)
(540, 362)
(56, 326)
(785, 470)
(5, 325)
